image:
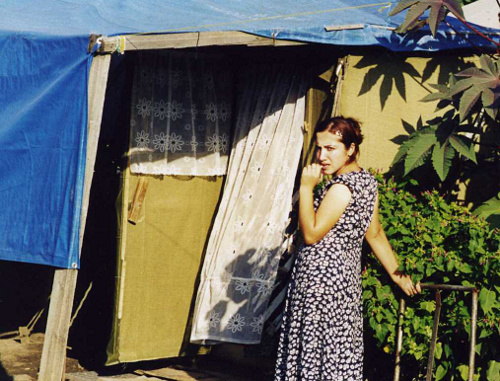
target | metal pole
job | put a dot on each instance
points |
(430, 361)
(472, 352)
(399, 342)
(449, 287)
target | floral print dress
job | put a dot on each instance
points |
(322, 329)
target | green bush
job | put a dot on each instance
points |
(436, 242)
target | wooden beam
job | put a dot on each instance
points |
(187, 40)
(63, 289)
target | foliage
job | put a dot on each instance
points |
(453, 139)
(438, 11)
(472, 98)
(479, 83)
(439, 141)
(436, 242)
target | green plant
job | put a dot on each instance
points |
(436, 242)
(471, 98)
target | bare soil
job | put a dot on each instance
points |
(20, 361)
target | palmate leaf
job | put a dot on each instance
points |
(439, 8)
(460, 86)
(468, 100)
(403, 149)
(434, 97)
(436, 15)
(419, 150)
(412, 17)
(479, 83)
(463, 146)
(439, 87)
(442, 157)
(401, 6)
(491, 101)
(474, 72)
(488, 65)
(441, 94)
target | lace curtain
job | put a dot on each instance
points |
(247, 239)
(180, 115)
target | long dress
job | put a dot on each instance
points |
(322, 329)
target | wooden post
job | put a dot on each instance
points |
(399, 341)
(63, 289)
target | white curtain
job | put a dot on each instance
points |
(247, 239)
(180, 115)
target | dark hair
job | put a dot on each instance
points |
(349, 130)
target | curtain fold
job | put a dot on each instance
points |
(180, 115)
(248, 236)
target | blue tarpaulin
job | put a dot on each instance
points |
(44, 66)
(43, 117)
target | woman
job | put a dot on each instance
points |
(322, 329)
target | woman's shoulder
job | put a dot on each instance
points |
(355, 180)
(361, 174)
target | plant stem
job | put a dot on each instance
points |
(463, 21)
(464, 37)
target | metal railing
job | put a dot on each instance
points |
(430, 362)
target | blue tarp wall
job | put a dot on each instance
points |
(44, 68)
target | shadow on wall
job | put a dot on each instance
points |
(394, 70)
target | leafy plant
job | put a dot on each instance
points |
(438, 11)
(440, 140)
(436, 242)
(479, 83)
(453, 140)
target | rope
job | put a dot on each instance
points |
(383, 6)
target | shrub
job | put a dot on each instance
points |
(435, 242)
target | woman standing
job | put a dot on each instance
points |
(322, 330)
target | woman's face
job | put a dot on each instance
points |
(331, 153)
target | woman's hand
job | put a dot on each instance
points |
(405, 283)
(310, 176)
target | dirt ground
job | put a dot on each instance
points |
(19, 361)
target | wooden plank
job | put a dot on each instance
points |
(138, 201)
(171, 373)
(63, 289)
(188, 40)
(98, 80)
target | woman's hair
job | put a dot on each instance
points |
(348, 129)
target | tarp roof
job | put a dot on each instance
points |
(359, 22)
(44, 68)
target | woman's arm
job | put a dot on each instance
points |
(382, 249)
(315, 225)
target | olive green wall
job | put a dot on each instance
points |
(383, 91)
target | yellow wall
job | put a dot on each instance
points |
(399, 80)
